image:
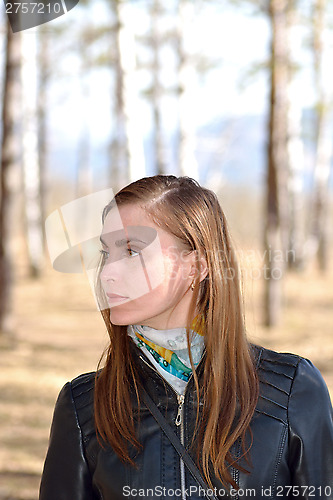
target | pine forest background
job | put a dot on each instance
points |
(234, 93)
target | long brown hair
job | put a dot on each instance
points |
(229, 388)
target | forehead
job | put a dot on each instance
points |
(128, 223)
(132, 221)
(127, 215)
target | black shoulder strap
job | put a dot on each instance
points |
(172, 436)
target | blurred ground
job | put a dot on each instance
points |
(59, 334)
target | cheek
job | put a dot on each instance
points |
(175, 272)
(142, 275)
(150, 268)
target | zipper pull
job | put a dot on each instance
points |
(181, 400)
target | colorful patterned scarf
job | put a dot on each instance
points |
(175, 361)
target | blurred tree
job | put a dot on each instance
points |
(126, 153)
(156, 40)
(84, 176)
(162, 36)
(30, 157)
(10, 171)
(276, 224)
(44, 74)
(323, 84)
(119, 52)
(127, 113)
(296, 157)
(117, 146)
(173, 27)
(110, 44)
(186, 73)
(284, 210)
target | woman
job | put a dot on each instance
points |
(255, 422)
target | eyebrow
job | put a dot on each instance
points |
(122, 242)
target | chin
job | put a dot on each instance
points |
(122, 318)
(118, 319)
(132, 312)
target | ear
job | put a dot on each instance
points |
(203, 269)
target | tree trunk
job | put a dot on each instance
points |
(295, 150)
(42, 105)
(84, 177)
(127, 95)
(10, 175)
(323, 83)
(276, 226)
(187, 131)
(117, 148)
(30, 159)
(157, 90)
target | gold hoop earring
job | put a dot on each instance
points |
(192, 286)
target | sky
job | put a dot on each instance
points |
(234, 39)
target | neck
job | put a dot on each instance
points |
(170, 323)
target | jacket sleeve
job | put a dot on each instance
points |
(66, 475)
(311, 433)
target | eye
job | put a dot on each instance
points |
(131, 252)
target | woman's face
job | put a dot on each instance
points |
(146, 275)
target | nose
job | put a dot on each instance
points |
(108, 272)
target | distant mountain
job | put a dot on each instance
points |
(230, 149)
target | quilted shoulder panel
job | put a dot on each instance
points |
(83, 395)
(276, 373)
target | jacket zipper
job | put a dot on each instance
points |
(178, 422)
(179, 416)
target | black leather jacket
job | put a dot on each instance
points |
(292, 452)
